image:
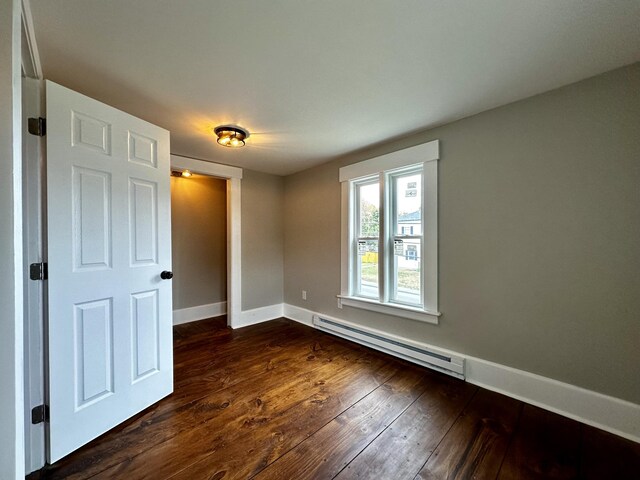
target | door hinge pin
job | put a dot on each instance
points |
(37, 126)
(40, 414)
(38, 271)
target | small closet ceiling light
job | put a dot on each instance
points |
(184, 173)
(230, 136)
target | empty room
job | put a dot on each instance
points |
(319, 240)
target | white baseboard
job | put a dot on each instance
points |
(259, 315)
(592, 408)
(192, 314)
(596, 409)
(298, 314)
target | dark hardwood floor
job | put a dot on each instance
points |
(283, 401)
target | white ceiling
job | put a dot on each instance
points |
(312, 80)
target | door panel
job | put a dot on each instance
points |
(91, 222)
(143, 228)
(90, 133)
(94, 351)
(142, 150)
(110, 314)
(145, 323)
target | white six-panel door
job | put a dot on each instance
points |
(108, 236)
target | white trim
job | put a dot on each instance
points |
(234, 251)
(33, 180)
(596, 409)
(430, 238)
(259, 315)
(12, 459)
(389, 309)
(234, 227)
(31, 66)
(425, 152)
(346, 239)
(608, 413)
(297, 314)
(193, 314)
(33, 225)
(206, 168)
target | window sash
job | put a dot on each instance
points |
(406, 297)
(356, 224)
(393, 194)
(387, 269)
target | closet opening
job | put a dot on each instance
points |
(198, 246)
(206, 241)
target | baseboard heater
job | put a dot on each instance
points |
(415, 352)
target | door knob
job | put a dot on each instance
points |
(166, 275)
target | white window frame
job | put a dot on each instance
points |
(355, 225)
(428, 155)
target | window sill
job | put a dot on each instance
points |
(389, 309)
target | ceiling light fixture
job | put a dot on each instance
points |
(184, 173)
(230, 136)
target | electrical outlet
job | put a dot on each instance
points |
(304, 294)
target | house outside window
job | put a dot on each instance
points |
(389, 230)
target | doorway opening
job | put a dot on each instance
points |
(232, 176)
(198, 246)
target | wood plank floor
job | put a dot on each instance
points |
(280, 400)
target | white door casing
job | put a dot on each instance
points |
(109, 238)
(33, 247)
(233, 175)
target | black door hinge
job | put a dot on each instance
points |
(40, 414)
(37, 126)
(38, 271)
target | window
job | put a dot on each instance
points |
(389, 218)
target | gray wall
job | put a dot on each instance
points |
(11, 349)
(199, 240)
(262, 239)
(539, 236)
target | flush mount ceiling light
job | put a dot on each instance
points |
(230, 136)
(184, 173)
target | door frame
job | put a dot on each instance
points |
(233, 176)
(34, 226)
(34, 246)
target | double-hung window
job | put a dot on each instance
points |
(389, 234)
